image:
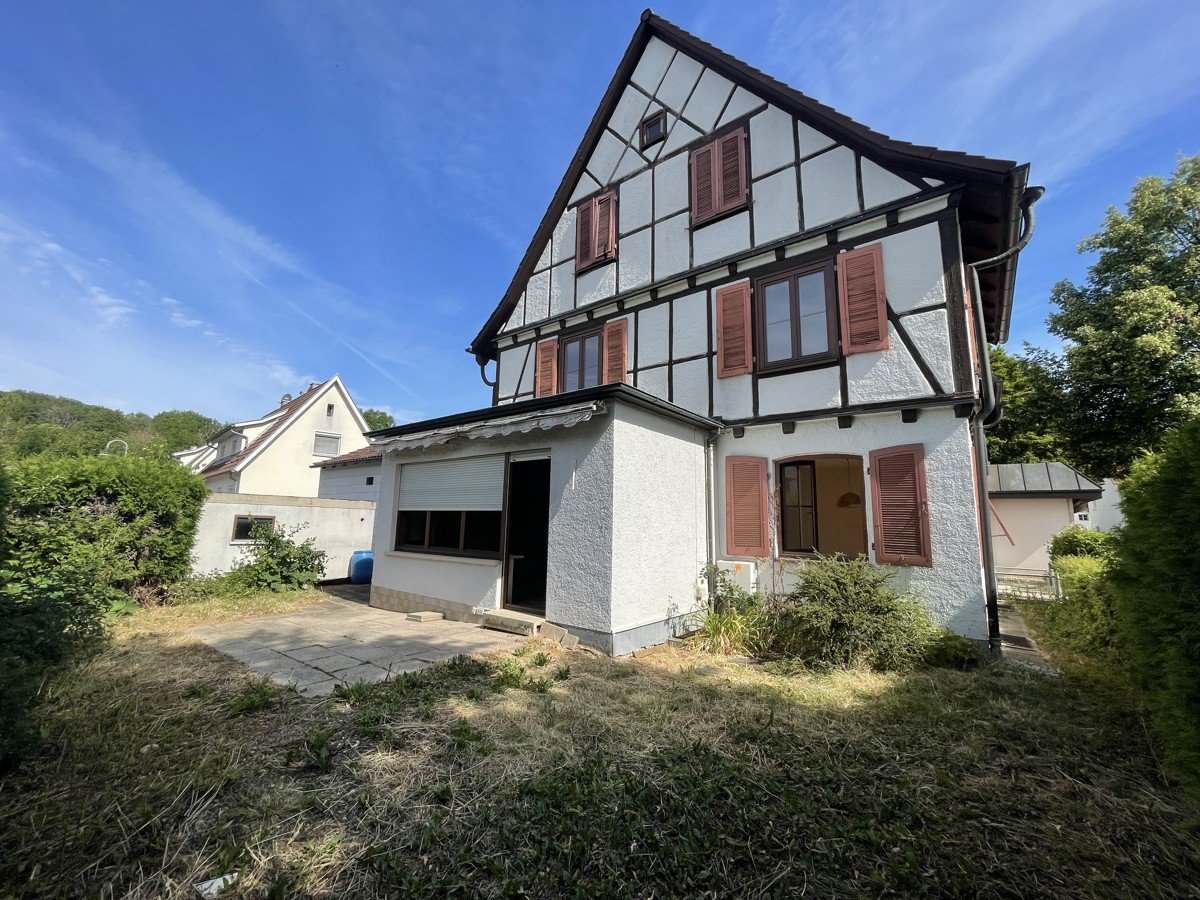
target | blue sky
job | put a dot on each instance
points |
(205, 205)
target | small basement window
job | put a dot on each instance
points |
(370, 479)
(654, 128)
(327, 444)
(244, 525)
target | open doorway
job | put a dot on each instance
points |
(527, 540)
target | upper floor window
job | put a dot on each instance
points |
(327, 444)
(719, 179)
(580, 361)
(654, 128)
(797, 317)
(595, 231)
(329, 409)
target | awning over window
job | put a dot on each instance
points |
(523, 423)
(475, 483)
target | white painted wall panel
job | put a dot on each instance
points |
(628, 115)
(563, 239)
(800, 391)
(707, 100)
(597, 284)
(510, 364)
(717, 240)
(830, 187)
(633, 260)
(733, 398)
(690, 325)
(562, 288)
(776, 207)
(811, 141)
(912, 268)
(537, 296)
(690, 385)
(885, 374)
(771, 144)
(605, 157)
(881, 186)
(653, 338)
(671, 186)
(636, 204)
(653, 381)
(740, 103)
(649, 71)
(930, 333)
(350, 483)
(671, 246)
(677, 86)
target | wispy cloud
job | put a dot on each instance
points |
(110, 309)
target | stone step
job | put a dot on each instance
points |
(512, 621)
(425, 615)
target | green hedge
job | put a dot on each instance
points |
(1156, 575)
(1075, 540)
(82, 537)
(1085, 618)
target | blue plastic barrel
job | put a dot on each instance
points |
(361, 565)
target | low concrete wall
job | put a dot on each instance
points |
(339, 527)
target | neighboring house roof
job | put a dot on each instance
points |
(990, 211)
(275, 423)
(1042, 479)
(354, 457)
(556, 403)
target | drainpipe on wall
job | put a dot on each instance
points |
(710, 505)
(988, 406)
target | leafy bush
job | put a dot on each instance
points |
(143, 511)
(1075, 540)
(843, 612)
(276, 562)
(1156, 578)
(1084, 619)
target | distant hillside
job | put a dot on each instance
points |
(40, 423)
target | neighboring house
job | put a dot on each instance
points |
(746, 329)
(1106, 512)
(274, 454)
(1030, 503)
(351, 476)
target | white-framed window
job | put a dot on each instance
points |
(325, 444)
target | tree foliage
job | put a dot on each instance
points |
(1130, 368)
(377, 419)
(1029, 429)
(32, 423)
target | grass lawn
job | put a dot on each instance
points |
(555, 774)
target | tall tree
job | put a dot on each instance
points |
(1029, 430)
(183, 428)
(377, 419)
(1130, 370)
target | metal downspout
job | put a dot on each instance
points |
(987, 405)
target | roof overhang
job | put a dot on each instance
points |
(544, 413)
(990, 211)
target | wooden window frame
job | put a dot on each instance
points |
(812, 459)
(647, 123)
(234, 539)
(811, 464)
(801, 361)
(564, 341)
(719, 209)
(398, 547)
(592, 206)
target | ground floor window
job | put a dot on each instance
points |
(244, 525)
(821, 508)
(469, 532)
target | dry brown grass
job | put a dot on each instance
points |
(638, 777)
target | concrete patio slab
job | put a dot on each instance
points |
(343, 641)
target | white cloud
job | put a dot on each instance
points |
(179, 320)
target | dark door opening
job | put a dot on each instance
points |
(527, 541)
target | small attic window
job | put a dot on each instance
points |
(654, 128)
(329, 409)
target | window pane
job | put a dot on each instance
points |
(777, 320)
(591, 361)
(410, 529)
(327, 445)
(483, 532)
(571, 366)
(798, 513)
(444, 530)
(814, 326)
(243, 525)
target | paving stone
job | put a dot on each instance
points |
(571, 641)
(363, 672)
(308, 654)
(336, 662)
(552, 632)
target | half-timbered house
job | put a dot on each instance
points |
(747, 329)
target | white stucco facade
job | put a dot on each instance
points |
(1021, 532)
(354, 481)
(339, 527)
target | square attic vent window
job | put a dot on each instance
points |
(654, 128)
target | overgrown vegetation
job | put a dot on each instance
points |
(32, 423)
(1075, 540)
(1156, 576)
(85, 538)
(1084, 618)
(636, 777)
(840, 613)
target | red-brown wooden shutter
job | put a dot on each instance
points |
(732, 150)
(734, 350)
(746, 508)
(861, 300)
(545, 381)
(585, 245)
(606, 226)
(615, 350)
(704, 200)
(900, 506)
